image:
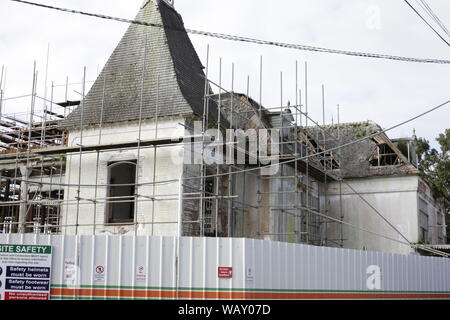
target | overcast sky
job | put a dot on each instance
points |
(386, 92)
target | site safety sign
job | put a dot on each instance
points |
(225, 272)
(25, 272)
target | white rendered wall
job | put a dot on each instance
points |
(166, 213)
(394, 197)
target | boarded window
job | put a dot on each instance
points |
(121, 191)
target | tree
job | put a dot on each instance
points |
(434, 166)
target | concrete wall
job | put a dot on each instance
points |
(394, 197)
(166, 213)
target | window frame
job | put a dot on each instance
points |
(109, 219)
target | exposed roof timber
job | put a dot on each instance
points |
(313, 146)
(383, 139)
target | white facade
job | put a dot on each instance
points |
(396, 198)
(93, 171)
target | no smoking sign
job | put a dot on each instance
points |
(99, 273)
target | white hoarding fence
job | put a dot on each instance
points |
(122, 267)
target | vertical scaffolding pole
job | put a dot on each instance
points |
(307, 203)
(25, 171)
(136, 193)
(243, 204)
(44, 122)
(340, 177)
(325, 164)
(230, 169)
(296, 216)
(202, 166)
(98, 155)
(260, 180)
(81, 150)
(282, 214)
(248, 86)
(1, 92)
(51, 97)
(155, 154)
(216, 218)
(58, 210)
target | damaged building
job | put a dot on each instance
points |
(124, 160)
(381, 191)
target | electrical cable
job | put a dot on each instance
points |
(424, 20)
(245, 39)
(430, 12)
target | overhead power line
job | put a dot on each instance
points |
(246, 39)
(424, 20)
(431, 13)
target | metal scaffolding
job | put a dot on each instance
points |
(218, 200)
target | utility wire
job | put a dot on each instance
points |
(430, 12)
(245, 39)
(424, 20)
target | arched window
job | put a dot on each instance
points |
(120, 203)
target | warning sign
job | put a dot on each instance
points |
(141, 275)
(25, 272)
(99, 273)
(225, 272)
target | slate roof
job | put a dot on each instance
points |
(169, 54)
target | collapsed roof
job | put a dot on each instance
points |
(376, 156)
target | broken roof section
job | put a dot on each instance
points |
(377, 156)
(174, 81)
(241, 111)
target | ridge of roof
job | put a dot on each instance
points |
(349, 125)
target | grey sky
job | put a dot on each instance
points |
(386, 92)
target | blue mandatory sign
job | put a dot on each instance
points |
(0, 283)
(1, 271)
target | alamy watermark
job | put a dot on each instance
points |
(231, 147)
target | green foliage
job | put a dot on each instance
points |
(435, 168)
(444, 141)
(362, 133)
(435, 165)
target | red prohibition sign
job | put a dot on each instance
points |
(99, 269)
